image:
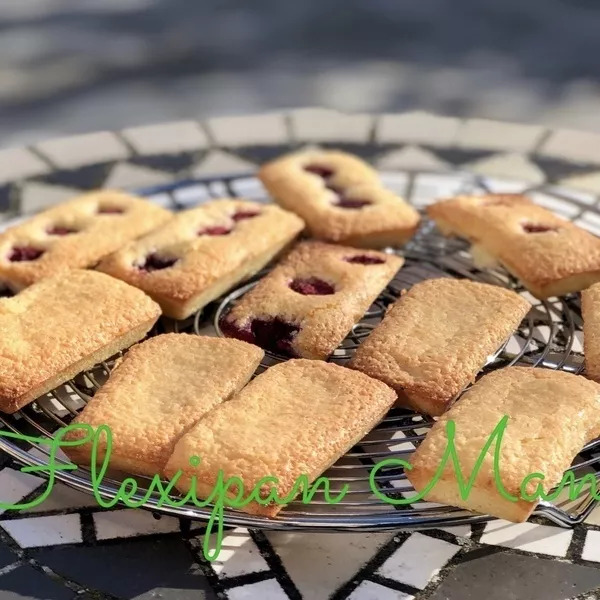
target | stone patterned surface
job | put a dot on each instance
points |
(68, 548)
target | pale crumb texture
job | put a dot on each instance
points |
(436, 338)
(94, 234)
(387, 221)
(207, 265)
(552, 415)
(562, 260)
(590, 311)
(158, 391)
(324, 320)
(296, 418)
(55, 324)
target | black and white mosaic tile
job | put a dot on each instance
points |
(68, 547)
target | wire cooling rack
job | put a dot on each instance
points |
(549, 337)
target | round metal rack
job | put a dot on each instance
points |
(549, 337)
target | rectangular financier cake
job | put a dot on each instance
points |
(203, 252)
(341, 199)
(590, 311)
(436, 338)
(63, 325)
(551, 416)
(550, 255)
(297, 418)
(158, 391)
(74, 234)
(307, 305)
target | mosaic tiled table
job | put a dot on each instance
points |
(69, 548)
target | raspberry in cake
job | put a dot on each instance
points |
(310, 301)
(340, 198)
(203, 252)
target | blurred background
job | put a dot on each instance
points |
(69, 66)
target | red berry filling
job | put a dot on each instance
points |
(25, 253)
(321, 171)
(353, 203)
(215, 230)
(60, 230)
(241, 215)
(110, 210)
(5, 292)
(155, 262)
(273, 334)
(364, 259)
(312, 287)
(537, 228)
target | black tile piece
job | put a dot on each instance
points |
(25, 583)
(504, 576)
(170, 163)
(459, 156)
(89, 177)
(7, 556)
(135, 569)
(556, 169)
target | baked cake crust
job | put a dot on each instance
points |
(322, 320)
(158, 391)
(63, 325)
(372, 217)
(550, 255)
(436, 338)
(552, 415)
(296, 418)
(590, 311)
(245, 237)
(75, 234)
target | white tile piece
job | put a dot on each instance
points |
(574, 145)
(131, 522)
(15, 485)
(44, 531)
(64, 498)
(463, 531)
(19, 163)
(191, 195)
(505, 186)
(508, 165)
(554, 204)
(412, 158)
(166, 138)
(497, 135)
(368, 590)
(339, 557)
(591, 548)
(250, 187)
(589, 182)
(38, 196)
(87, 149)
(324, 125)
(239, 554)
(251, 130)
(126, 175)
(528, 536)
(418, 560)
(417, 128)
(162, 199)
(430, 188)
(265, 590)
(220, 163)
